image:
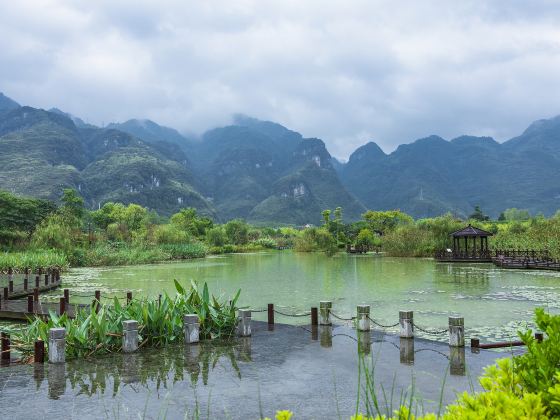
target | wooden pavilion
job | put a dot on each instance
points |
(470, 244)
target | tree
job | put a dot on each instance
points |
(478, 215)
(188, 220)
(72, 206)
(216, 236)
(518, 215)
(326, 217)
(237, 231)
(384, 221)
(365, 239)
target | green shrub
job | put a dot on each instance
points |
(266, 242)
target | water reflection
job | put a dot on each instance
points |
(154, 366)
(407, 351)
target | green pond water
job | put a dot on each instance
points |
(494, 302)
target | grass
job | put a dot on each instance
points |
(34, 260)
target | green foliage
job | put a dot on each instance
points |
(266, 242)
(237, 232)
(478, 215)
(385, 221)
(22, 214)
(72, 206)
(216, 236)
(160, 322)
(316, 239)
(19, 261)
(170, 234)
(189, 221)
(514, 214)
(54, 233)
(367, 239)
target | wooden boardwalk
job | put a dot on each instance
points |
(19, 309)
(13, 304)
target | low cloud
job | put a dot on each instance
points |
(346, 72)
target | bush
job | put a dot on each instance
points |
(169, 234)
(237, 232)
(266, 242)
(216, 236)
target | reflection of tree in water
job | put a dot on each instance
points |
(161, 367)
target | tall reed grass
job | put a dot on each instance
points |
(34, 260)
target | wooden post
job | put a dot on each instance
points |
(39, 351)
(36, 295)
(62, 305)
(97, 301)
(37, 280)
(67, 296)
(314, 316)
(475, 343)
(128, 297)
(5, 293)
(5, 338)
(25, 280)
(271, 314)
(11, 286)
(46, 279)
(30, 304)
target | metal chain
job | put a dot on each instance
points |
(292, 315)
(381, 325)
(341, 318)
(433, 332)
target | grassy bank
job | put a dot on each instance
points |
(33, 260)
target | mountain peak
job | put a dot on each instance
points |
(369, 151)
(7, 104)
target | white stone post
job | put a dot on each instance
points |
(130, 336)
(456, 331)
(244, 327)
(406, 324)
(191, 326)
(363, 323)
(325, 307)
(57, 345)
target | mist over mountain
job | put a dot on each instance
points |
(266, 173)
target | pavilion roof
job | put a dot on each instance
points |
(470, 231)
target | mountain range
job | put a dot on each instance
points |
(268, 174)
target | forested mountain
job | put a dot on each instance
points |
(266, 173)
(432, 175)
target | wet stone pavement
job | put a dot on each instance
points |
(313, 372)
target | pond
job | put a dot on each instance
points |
(494, 302)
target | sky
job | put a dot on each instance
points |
(347, 72)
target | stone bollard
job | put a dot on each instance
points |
(363, 323)
(325, 307)
(191, 326)
(57, 345)
(130, 336)
(244, 327)
(456, 331)
(407, 324)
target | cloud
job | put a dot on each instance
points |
(346, 72)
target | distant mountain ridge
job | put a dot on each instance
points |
(266, 173)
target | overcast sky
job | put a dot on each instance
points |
(345, 71)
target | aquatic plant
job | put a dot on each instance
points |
(160, 322)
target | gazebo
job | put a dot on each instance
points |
(469, 244)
